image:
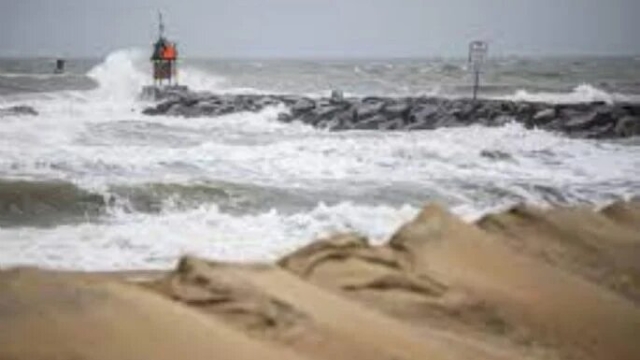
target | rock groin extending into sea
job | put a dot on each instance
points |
(582, 120)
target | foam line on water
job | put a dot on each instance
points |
(256, 148)
(143, 241)
(583, 93)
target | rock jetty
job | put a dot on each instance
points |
(582, 120)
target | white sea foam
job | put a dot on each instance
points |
(144, 241)
(121, 75)
(581, 94)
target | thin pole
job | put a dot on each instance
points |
(476, 84)
(160, 25)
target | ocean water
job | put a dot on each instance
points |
(109, 188)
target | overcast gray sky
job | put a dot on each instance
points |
(321, 28)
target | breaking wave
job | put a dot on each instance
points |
(139, 241)
(124, 72)
(55, 202)
(43, 203)
(581, 94)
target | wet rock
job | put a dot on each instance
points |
(331, 124)
(595, 119)
(628, 126)
(347, 116)
(631, 109)
(501, 120)
(424, 117)
(19, 110)
(368, 108)
(466, 111)
(418, 126)
(525, 110)
(284, 117)
(371, 123)
(206, 108)
(161, 108)
(394, 124)
(303, 105)
(289, 100)
(585, 120)
(397, 109)
(176, 109)
(497, 155)
(544, 117)
(190, 99)
(326, 111)
(597, 132)
(488, 110)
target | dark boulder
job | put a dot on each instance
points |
(424, 115)
(488, 110)
(331, 124)
(598, 132)
(595, 119)
(346, 117)
(500, 120)
(303, 105)
(326, 111)
(161, 108)
(264, 102)
(508, 107)
(372, 123)
(397, 109)
(631, 109)
(496, 155)
(285, 117)
(369, 108)
(544, 117)
(190, 98)
(20, 110)
(628, 126)
(207, 108)
(177, 109)
(465, 110)
(393, 124)
(289, 100)
(525, 110)
(320, 113)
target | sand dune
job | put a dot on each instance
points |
(524, 284)
(580, 319)
(272, 304)
(602, 247)
(46, 315)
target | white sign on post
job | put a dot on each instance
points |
(477, 55)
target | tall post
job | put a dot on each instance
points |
(476, 84)
(477, 55)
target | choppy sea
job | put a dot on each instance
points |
(91, 183)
